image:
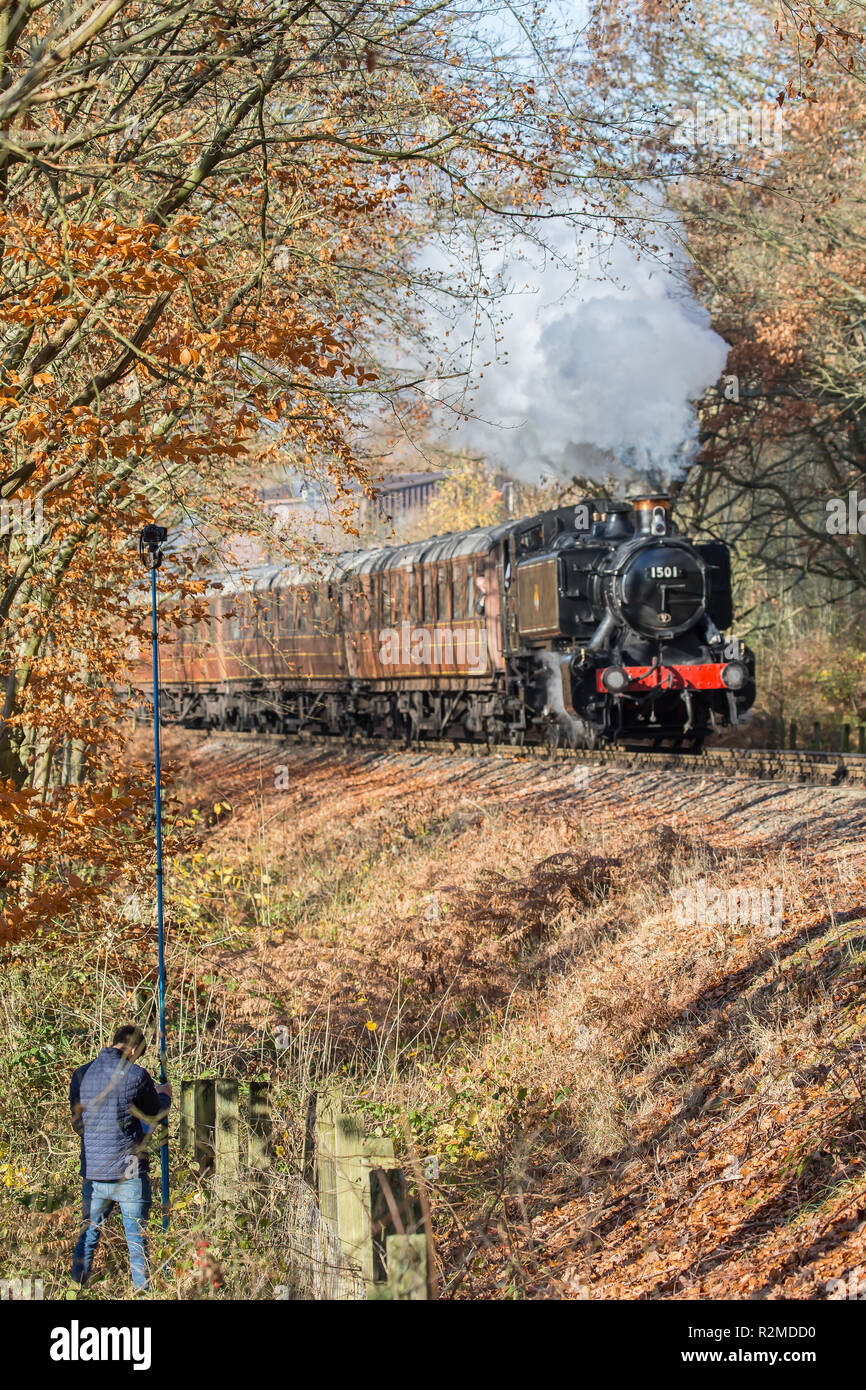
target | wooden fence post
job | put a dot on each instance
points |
(187, 1117)
(259, 1125)
(816, 735)
(204, 1107)
(326, 1173)
(226, 1142)
(407, 1267)
(792, 735)
(363, 1201)
(861, 739)
(353, 1223)
(846, 738)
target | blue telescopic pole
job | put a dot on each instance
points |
(163, 1148)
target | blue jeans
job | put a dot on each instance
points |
(133, 1196)
(78, 1252)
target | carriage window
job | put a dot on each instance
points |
(414, 611)
(386, 599)
(366, 604)
(479, 592)
(398, 596)
(475, 589)
(428, 611)
(458, 596)
(234, 610)
(444, 591)
(300, 612)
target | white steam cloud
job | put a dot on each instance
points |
(594, 359)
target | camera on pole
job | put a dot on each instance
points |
(150, 544)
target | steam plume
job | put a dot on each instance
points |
(597, 360)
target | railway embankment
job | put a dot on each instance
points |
(616, 1013)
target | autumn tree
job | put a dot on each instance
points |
(759, 123)
(211, 220)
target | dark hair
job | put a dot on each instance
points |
(129, 1036)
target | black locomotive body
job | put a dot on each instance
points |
(635, 615)
(590, 624)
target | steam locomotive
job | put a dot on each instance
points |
(590, 624)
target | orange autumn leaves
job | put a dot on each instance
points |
(206, 259)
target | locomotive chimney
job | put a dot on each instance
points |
(652, 516)
(616, 521)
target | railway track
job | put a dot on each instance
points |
(764, 764)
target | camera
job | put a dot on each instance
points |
(150, 544)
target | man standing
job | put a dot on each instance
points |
(116, 1102)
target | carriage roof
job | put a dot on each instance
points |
(263, 578)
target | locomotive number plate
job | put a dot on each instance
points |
(664, 571)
